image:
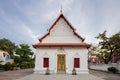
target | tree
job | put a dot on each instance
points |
(93, 50)
(7, 45)
(24, 58)
(24, 52)
(115, 44)
(110, 46)
(96, 51)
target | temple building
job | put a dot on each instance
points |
(61, 49)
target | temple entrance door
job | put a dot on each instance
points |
(61, 62)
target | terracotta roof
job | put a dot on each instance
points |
(82, 44)
(2, 51)
(61, 16)
(61, 45)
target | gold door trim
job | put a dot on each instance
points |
(61, 63)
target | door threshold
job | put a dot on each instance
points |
(61, 72)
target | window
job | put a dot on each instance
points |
(45, 62)
(76, 63)
(3, 54)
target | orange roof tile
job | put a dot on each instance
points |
(61, 45)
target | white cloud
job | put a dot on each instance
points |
(33, 10)
(26, 33)
(88, 17)
(66, 4)
(110, 14)
(95, 17)
(17, 29)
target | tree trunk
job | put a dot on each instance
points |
(106, 62)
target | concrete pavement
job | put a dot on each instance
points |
(23, 73)
(105, 75)
(60, 77)
(12, 75)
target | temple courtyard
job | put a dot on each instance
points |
(27, 74)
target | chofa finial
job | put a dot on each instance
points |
(61, 9)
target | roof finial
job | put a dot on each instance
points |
(61, 9)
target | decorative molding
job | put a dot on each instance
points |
(77, 55)
(61, 50)
(45, 54)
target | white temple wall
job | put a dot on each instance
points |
(70, 53)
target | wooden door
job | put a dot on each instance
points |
(60, 62)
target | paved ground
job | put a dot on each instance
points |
(104, 67)
(105, 75)
(13, 75)
(60, 77)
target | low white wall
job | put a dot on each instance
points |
(117, 65)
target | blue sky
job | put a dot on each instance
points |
(24, 21)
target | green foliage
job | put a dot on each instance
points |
(7, 45)
(1, 66)
(92, 51)
(112, 69)
(17, 59)
(23, 66)
(110, 46)
(27, 65)
(24, 58)
(8, 66)
(24, 51)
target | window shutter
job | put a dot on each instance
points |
(76, 63)
(46, 62)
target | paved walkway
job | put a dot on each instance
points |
(12, 75)
(60, 77)
(28, 73)
(105, 75)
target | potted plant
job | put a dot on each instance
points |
(74, 72)
(47, 71)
